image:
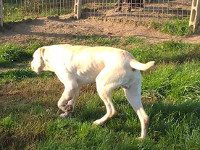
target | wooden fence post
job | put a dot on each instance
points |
(195, 14)
(1, 13)
(77, 9)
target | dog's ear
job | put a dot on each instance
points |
(42, 51)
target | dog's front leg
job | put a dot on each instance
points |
(67, 104)
(68, 99)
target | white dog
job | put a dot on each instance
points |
(109, 67)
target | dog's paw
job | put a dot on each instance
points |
(140, 138)
(66, 115)
(97, 122)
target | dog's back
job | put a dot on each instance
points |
(85, 58)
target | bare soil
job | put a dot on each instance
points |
(64, 28)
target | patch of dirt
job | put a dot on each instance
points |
(64, 28)
(14, 92)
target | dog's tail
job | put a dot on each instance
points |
(140, 66)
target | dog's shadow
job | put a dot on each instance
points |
(89, 115)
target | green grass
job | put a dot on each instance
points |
(95, 40)
(170, 94)
(178, 27)
(11, 54)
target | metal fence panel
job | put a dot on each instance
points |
(137, 10)
(133, 10)
(15, 10)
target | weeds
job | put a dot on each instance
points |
(8, 123)
(13, 53)
(177, 27)
(95, 39)
(132, 39)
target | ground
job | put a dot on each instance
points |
(64, 28)
(28, 102)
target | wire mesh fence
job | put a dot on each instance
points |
(137, 10)
(1, 13)
(15, 10)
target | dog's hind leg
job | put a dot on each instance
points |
(133, 95)
(104, 89)
(105, 95)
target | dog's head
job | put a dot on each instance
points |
(38, 63)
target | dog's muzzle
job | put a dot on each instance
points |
(33, 68)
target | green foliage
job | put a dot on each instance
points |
(8, 123)
(176, 27)
(10, 54)
(170, 51)
(33, 46)
(132, 39)
(18, 75)
(96, 40)
(173, 82)
(179, 27)
(155, 25)
(13, 53)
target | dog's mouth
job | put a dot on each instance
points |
(35, 70)
(38, 72)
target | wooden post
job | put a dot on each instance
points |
(77, 9)
(195, 14)
(1, 13)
